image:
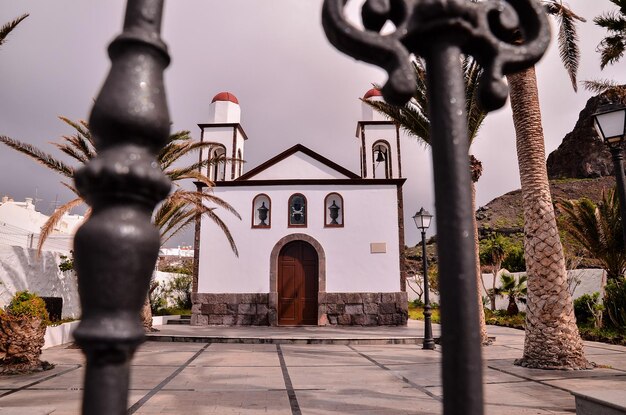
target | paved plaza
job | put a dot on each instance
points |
(331, 377)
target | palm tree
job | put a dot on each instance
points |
(612, 47)
(552, 340)
(8, 28)
(514, 288)
(173, 215)
(597, 230)
(179, 210)
(413, 118)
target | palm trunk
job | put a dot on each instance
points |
(146, 315)
(552, 340)
(484, 338)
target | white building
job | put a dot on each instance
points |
(23, 268)
(21, 223)
(318, 244)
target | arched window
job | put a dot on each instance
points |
(381, 160)
(297, 210)
(261, 211)
(333, 211)
(217, 167)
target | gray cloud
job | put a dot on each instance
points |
(292, 85)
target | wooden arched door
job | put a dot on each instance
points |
(298, 284)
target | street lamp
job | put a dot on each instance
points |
(610, 124)
(422, 220)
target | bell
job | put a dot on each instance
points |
(380, 157)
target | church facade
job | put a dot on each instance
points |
(318, 244)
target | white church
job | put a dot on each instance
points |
(318, 244)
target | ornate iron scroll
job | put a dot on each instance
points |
(504, 37)
(116, 249)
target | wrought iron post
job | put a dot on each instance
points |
(116, 249)
(440, 30)
(620, 182)
(429, 342)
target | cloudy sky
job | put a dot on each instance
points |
(293, 86)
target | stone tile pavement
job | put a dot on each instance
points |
(372, 379)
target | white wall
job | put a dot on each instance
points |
(305, 166)
(21, 269)
(590, 282)
(370, 215)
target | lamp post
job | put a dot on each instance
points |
(610, 124)
(422, 220)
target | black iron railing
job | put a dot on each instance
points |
(503, 36)
(116, 249)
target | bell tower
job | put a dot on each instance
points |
(227, 136)
(380, 142)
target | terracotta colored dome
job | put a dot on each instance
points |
(372, 93)
(225, 96)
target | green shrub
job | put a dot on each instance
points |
(417, 313)
(605, 335)
(179, 289)
(67, 263)
(501, 318)
(27, 304)
(514, 261)
(615, 303)
(584, 306)
(158, 298)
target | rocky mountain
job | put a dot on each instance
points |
(505, 214)
(582, 154)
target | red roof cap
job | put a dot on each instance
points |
(372, 93)
(225, 96)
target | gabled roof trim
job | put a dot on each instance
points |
(290, 151)
(305, 182)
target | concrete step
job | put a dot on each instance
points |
(600, 402)
(184, 320)
(157, 337)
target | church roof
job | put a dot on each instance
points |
(225, 96)
(327, 168)
(372, 93)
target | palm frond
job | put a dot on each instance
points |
(82, 140)
(8, 27)
(71, 151)
(192, 197)
(567, 38)
(54, 220)
(71, 187)
(182, 207)
(598, 86)
(611, 21)
(193, 175)
(39, 156)
(611, 50)
(597, 229)
(413, 117)
(181, 172)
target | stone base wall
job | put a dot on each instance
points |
(229, 309)
(363, 309)
(335, 309)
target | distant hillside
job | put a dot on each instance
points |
(505, 213)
